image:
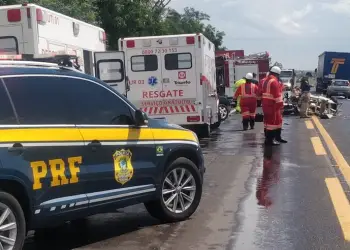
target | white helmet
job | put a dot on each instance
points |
(249, 76)
(276, 70)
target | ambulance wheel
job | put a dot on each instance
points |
(203, 131)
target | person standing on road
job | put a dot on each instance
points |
(279, 116)
(254, 79)
(235, 87)
(305, 97)
(248, 94)
(272, 104)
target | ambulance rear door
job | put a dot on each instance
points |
(11, 30)
(110, 68)
(180, 80)
(144, 72)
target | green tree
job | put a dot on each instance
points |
(121, 18)
(192, 21)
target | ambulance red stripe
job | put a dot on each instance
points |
(170, 110)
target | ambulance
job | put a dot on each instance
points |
(173, 78)
(32, 29)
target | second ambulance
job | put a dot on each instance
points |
(173, 78)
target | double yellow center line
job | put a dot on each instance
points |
(336, 192)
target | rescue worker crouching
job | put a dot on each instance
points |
(272, 105)
(247, 92)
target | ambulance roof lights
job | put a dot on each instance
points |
(14, 15)
(102, 36)
(190, 40)
(130, 43)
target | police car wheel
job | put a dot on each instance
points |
(12, 223)
(180, 193)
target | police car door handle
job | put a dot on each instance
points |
(16, 148)
(95, 144)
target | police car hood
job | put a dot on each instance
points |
(156, 123)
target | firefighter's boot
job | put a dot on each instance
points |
(278, 136)
(252, 123)
(245, 124)
(270, 138)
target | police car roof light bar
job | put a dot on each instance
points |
(26, 63)
(44, 60)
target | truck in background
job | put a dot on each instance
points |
(288, 78)
(173, 77)
(331, 65)
(235, 69)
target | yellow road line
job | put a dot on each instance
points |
(337, 156)
(318, 147)
(309, 125)
(341, 205)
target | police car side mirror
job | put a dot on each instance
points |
(140, 118)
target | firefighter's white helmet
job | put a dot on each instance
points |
(249, 76)
(276, 70)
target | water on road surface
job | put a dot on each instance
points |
(254, 197)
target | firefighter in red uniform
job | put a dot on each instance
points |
(248, 92)
(272, 105)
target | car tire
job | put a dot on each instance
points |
(223, 112)
(160, 210)
(10, 204)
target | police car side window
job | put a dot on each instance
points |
(144, 63)
(177, 61)
(96, 105)
(40, 100)
(7, 115)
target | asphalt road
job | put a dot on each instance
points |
(339, 128)
(254, 198)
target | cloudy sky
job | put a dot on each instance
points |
(294, 32)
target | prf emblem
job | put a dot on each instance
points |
(336, 62)
(123, 170)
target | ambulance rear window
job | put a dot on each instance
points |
(178, 61)
(8, 45)
(144, 63)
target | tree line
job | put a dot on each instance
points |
(129, 18)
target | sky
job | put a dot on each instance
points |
(294, 32)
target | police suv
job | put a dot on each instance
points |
(71, 146)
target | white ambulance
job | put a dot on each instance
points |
(173, 78)
(32, 29)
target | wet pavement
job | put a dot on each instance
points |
(339, 128)
(254, 198)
